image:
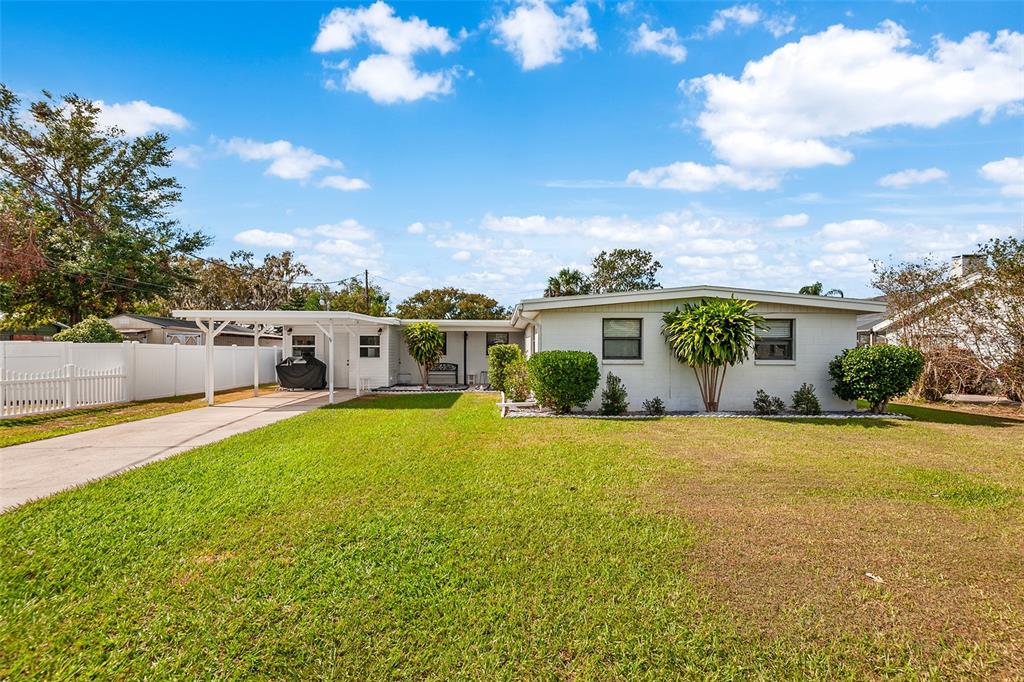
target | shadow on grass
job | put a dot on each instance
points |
(855, 422)
(944, 416)
(415, 401)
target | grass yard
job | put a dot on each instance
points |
(423, 537)
(38, 427)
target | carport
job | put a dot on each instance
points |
(213, 322)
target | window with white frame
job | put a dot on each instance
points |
(621, 338)
(304, 345)
(369, 346)
(775, 341)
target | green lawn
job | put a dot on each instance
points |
(38, 427)
(423, 537)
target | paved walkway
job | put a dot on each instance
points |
(33, 470)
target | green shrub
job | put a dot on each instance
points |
(614, 400)
(654, 407)
(517, 381)
(767, 404)
(499, 358)
(90, 330)
(804, 400)
(563, 379)
(876, 374)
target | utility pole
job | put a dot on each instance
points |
(366, 275)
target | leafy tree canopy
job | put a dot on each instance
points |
(85, 214)
(818, 289)
(451, 303)
(241, 283)
(611, 271)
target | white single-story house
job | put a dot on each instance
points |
(622, 329)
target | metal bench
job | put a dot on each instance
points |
(444, 369)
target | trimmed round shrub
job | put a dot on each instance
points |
(876, 374)
(767, 404)
(563, 379)
(90, 330)
(500, 357)
(654, 406)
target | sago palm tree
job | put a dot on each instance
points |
(711, 336)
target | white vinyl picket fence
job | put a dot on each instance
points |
(37, 377)
(66, 388)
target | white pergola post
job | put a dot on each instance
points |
(354, 343)
(210, 330)
(257, 330)
(329, 333)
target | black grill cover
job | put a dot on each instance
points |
(304, 372)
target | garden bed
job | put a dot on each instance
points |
(515, 412)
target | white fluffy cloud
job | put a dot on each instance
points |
(538, 36)
(416, 228)
(287, 161)
(291, 162)
(745, 16)
(139, 117)
(739, 15)
(461, 255)
(664, 42)
(1008, 172)
(790, 108)
(912, 176)
(391, 76)
(851, 229)
(274, 240)
(791, 220)
(687, 176)
(344, 183)
(389, 79)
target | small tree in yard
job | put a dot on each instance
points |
(804, 400)
(426, 346)
(711, 336)
(614, 400)
(876, 374)
(90, 330)
(500, 357)
(563, 379)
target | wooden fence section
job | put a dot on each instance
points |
(66, 388)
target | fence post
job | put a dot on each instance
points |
(176, 353)
(70, 386)
(128, 369)
(3, 378)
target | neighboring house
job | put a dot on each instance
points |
(43, 332)
(866, 336)
(966, 271)
(622, 329)
(161, 330)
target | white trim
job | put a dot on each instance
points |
(623, 361)
(702, 291)
(780, 363)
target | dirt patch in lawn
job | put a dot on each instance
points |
(803, 555)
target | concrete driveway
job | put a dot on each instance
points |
(33, 470)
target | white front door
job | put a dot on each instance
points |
(341, 339)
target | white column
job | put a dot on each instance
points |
(257, 330)
(329, 335)
(208, 376)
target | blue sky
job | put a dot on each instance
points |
(485, 145)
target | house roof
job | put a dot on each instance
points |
(173, 323)
(283, 317)
(857, 305)
(964, 282)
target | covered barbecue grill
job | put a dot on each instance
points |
(302, 372)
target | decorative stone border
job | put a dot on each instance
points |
(385, 391)
(526, 414)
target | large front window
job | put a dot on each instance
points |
(775, 342)
(621, 339)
